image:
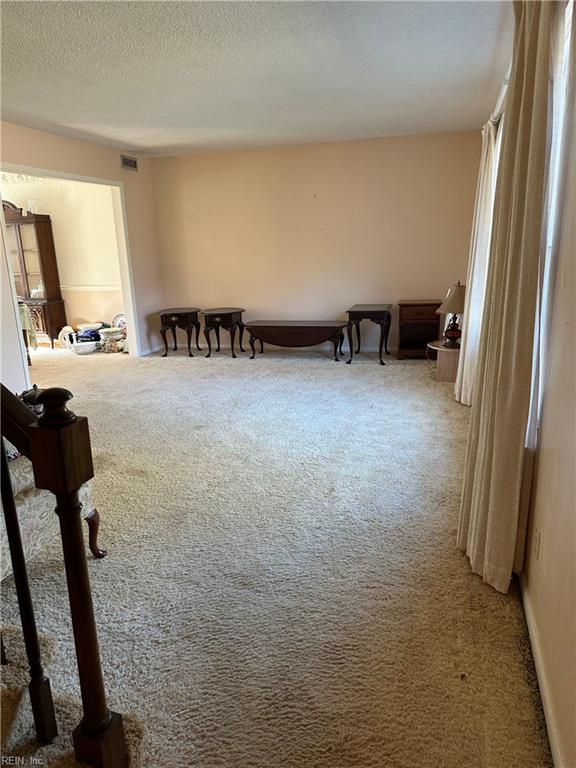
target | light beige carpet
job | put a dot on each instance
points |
(18, 735)
(282, 588)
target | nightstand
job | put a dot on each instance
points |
(418, 324)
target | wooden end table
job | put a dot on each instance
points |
(447, 360)
(179, 317)
(229, 318)
(379, 314)
(418, 323)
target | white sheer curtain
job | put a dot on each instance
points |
(489, 512)
(563, 105)
(562, 74)
(510, 375)
(480, 251)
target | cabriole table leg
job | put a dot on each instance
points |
(381, 344)
(241, 334)
(357, 324)
(336, 342)
(165, 340)
(189, 340)
(350, 343)
(207, 337)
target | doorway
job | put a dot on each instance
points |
(91, 285)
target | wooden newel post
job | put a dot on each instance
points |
(62, 460)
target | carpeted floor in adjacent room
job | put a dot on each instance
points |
(282, 588)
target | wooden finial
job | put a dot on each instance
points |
(55, 412)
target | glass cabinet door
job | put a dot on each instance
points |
(32, 260)
(15, 263)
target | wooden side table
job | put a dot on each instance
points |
(447, 360)
(418, 323)
(379, 314)
(179, 317)
(229, 318)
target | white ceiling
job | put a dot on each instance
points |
(172, 77)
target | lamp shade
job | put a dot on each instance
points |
(453, 304)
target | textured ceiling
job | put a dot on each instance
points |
(170, 77)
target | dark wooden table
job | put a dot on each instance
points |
(298, 333)
(229, 318)
(179, 317)
(418, 323)
(379, 314)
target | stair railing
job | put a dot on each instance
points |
(58, 444)
(39, 685)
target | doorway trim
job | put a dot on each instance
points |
(124, 256)
(17, 377)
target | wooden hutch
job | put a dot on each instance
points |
(33, 262)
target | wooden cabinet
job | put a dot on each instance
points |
(418, 324)
(33, 261)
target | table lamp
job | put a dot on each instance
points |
(453, 305)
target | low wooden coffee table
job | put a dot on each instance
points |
(298, 333)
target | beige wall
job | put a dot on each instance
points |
(41, 151)
(549, 582)
(306, 231)
(85, 241)
(87, 305)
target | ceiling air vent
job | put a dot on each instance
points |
(131, 163)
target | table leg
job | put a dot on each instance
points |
(252, 347)
(357, 324)
(386, 337)
(341, 344)
(165, 340)
(241, 329)
(197, 326)
(207, 337)
(261, 347)
(173, 329)
(335, 342)
(381, 344)
(350, 343)
(189, 340)
(232, 330)
(217, 329)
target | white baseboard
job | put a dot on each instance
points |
(151, 350)
(224, 345)
(545, 693)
